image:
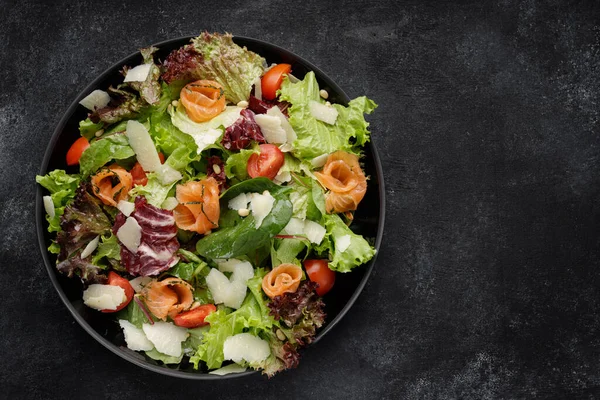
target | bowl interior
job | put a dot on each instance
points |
(368, 219)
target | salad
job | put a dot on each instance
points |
(207, 205)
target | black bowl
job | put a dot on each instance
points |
(368, 221)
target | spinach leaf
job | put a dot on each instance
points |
(244, 238)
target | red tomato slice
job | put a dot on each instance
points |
(194, 318)
(318, 271)
(271, 80)
(76, 150)
(267, 163)
(117, 280)
(139, 175)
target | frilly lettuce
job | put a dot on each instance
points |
(315, 138)
(358, 252)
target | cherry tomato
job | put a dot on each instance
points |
(194, 318)
(203, 100)
(76, 150)
(267, 163)
(139, 175)
(271, 80)
(115, 279)
(318, 271)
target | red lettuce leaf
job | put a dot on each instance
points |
(262, 106)
(240, 134)
(221, 178)
(158, 243)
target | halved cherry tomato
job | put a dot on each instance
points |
(76, 150)
(271, 80)
(318, 271)
(267, 163)
(139, 175)
(115, 279)
(194, 318)
(203, 100)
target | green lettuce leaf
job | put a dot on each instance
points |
(108, 248)
(100, 152)
(357, 253)
(62, 188)
(88, 129)
(315, 138)
(236, 163)
(154, 191)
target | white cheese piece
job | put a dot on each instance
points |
(282, 177)
(271, 128)
(322, 112)
(138, 283)
(97, 99)
(246, 347)
(91, 246)
(238, 202)
(230, 292)
(166, 337)
(285, 124)
(130, 234)
(286, 147)
(167, 174)
(314, 232)
(228, 369)
(294, 227)
(319, 161)
(342, 243)
(258, 88)
(135, 337)
(103, 297)
(242, 270)
(143, 146)
(170, 203)
(49, 206)
(138, 74)
(125, 207)
(261, 205)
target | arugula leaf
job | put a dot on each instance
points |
(100, 152)
(134, 314)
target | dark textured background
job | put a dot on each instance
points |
(487, 284)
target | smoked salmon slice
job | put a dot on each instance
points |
(198, 208)
(282, 279)
(345, 180)
(112, 184)
(168, 297)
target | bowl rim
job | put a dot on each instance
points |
(50, 267)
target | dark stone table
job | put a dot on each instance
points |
(487, 284)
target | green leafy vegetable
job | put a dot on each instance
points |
(154, 191)
(110, 249)
(62, 188)
(245, 237)
(315, 138)
(357, 252)
(100, 152)
(236, 163)
(88, 129)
